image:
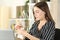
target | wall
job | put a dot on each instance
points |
(4, 17)
(55, 12)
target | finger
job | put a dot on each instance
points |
(17, 26)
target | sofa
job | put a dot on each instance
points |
(57, 34)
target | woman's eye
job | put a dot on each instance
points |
(36, 11)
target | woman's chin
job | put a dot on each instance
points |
(37, 19)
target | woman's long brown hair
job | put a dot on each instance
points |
(44, 7)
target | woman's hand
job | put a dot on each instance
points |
(20, 30)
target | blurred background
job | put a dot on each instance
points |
(20, 11)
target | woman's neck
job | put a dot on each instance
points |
(42, 20)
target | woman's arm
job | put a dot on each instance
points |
(23, 32)
(31, 37)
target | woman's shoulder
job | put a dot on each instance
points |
(49, 26)
(51, 23)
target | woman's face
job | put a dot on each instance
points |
(38, 13)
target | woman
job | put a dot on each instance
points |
(44, 25)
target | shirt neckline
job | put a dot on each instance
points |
(42, 26)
